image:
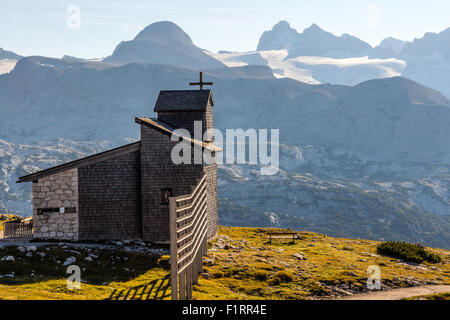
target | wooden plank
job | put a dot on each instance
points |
(195, 270)
(187, 216)
(193, 199)
(197, 248)
(189, 282)
(284, 237)
(187, 261)
(205, 246)
(187, 235)
(183, 285)
(173, 248)
(282, 233)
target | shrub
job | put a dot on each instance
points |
(407, 251)
(217, 274)
(274, 281)
(317, 289)
(261, 275)
(284, 276)
(164, 262)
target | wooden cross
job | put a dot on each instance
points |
(201, 83)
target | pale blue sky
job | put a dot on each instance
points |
(40, 27)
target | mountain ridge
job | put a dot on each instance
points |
(313, 41)
(4, 54)
(163, 43)
(347, 153)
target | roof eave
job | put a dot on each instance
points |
(98, 157)
(196, 143)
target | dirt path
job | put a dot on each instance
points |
(397, 294)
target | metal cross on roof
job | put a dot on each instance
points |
(201, 83)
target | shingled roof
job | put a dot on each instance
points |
(183, 100)
(102, 156)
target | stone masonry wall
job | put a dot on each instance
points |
(56, 191)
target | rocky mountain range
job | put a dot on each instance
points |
(370, 160)
(318, 56)
(313, 41)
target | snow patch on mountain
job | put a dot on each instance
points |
(315, 70)
(6, 65)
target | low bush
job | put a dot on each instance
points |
(407, 251)
(274, 281)
(284, 276)
(317, 290)
(217, 274)
(261, 275)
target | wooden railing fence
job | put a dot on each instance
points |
(17, 229)
(188, 240)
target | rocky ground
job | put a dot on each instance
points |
(241, 264)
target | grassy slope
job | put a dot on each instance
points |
(437, 296)
(241, 265)
(331, 263)
(106, 272)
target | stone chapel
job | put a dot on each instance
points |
(123, 193)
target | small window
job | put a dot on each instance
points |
(166, 193)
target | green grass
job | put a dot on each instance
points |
(437, 296)
(105, 273)
(256, 270)
(284, 276)
(408, 252)
(106, 265)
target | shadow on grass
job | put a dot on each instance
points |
(97, 265)
(154, 290)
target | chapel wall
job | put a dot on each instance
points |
(55, 206)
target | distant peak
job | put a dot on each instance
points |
(5, 54)
(313, 28)
(282, 25)
(164, 31)
(281, 35)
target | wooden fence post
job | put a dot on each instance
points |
(205, 246)
(189, 282)
(183, 285)
(173, 247)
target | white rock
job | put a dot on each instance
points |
(69, 261)
(298, 256)
(8, 258)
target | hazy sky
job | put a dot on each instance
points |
(51, 28)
